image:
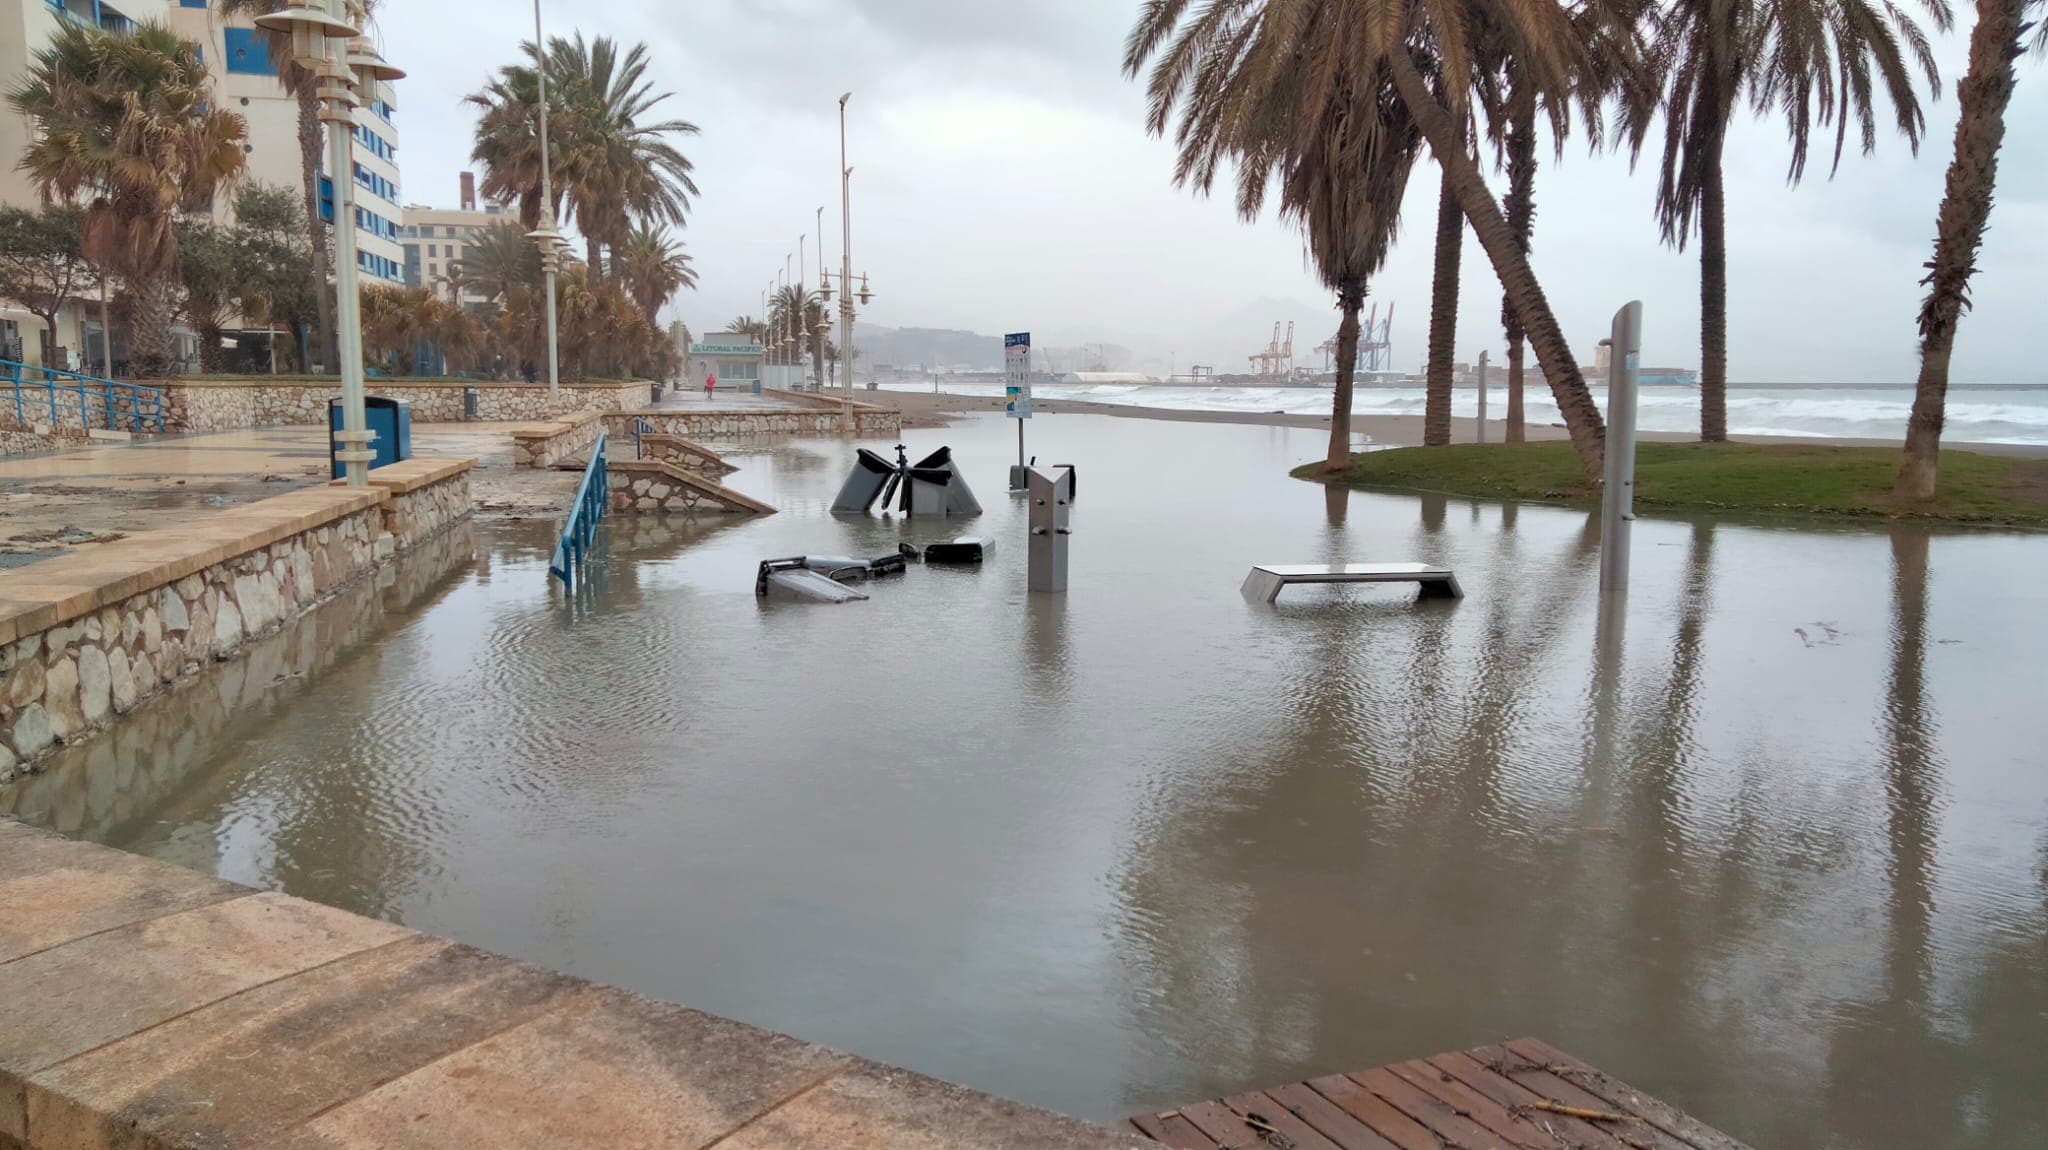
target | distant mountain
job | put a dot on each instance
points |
(930, 347)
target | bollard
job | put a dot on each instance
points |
(1482, 397)
(1052, 504)
(1617, 498)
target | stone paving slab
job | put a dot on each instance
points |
(59, 1003)
(612, 1071)
(319, 1039)
(131, 1019)
(51, 893)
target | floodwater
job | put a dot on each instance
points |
(1772, 845)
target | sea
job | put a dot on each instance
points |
(1985, 413)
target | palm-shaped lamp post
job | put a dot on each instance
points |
(327, 45)
(548, 237)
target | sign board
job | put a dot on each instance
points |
(727, 349)
(1017, 364)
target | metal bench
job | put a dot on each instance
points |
(1267, 580)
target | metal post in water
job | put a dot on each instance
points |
(1617, 500)
(1482, 397)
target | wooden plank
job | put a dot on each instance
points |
(1477, 1069)
(1173, 1130)
(1268, 1113)
(1621, 1096)
(1381, 1116)
(1475, 1107)
(1433, 1112)
(1329, 1121)
(1218, 1122)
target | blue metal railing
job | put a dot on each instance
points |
(591, 499)
(68, 399)
(640, 428)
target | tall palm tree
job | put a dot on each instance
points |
(1411, 39)
(1996, 41)
(498, 259)
(653, 268)
(1816, 62)
(124, 124)
(789, 310)
(750, 327)
(610, 166)
(1333, 133)
(304, 87)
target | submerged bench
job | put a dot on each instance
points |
(1267, 580)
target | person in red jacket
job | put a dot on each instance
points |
(710, 384)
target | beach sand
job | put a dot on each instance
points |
(923, 409)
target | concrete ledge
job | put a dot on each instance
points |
(56, 591)
(414, 473)
(201, 1014)
(658, 485)
(543, 445)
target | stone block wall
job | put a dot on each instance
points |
(563, 441)
(743, 424)
(646, 485)
(214, 405)
(84, 637)
(29, 440)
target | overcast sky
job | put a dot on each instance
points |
(1003, 181)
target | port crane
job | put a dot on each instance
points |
(1278, 358)
(1375, 343)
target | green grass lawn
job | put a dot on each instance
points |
(1773, 479)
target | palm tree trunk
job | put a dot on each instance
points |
(309, 172)
(1713, 295)
(209, 347)
(153, 310)
(593, 254)
(1581, 417)
(1521, 213)
(1351, 298)
(1443, 316)
(1981, 100)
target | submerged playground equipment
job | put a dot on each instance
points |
(931, 486)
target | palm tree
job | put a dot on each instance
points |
(1811, 60)
(789, 311)
(653, 268)
(123, 123)
(620, 169)
(1996, 41)
(498, 259)
(1411, 39)
(304, 87)
(750, 327)
(607, 166)
(1335, 135)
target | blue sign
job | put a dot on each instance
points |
(1017, 369)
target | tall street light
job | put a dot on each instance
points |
(548, 236)
(824, 320)
(329, 47)
(845, 268)
(796, 322)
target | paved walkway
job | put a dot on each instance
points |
(142, 1004)
(737, 398)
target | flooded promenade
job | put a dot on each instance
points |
(1775, 848)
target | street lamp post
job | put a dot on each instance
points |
(548, 236)
(845, 268)
(330, 48)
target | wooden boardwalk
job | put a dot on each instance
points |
(1520, 1095)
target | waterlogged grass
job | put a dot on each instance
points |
(1810, 479)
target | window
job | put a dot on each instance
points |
(375, 144)
(248, 55)
(191, 3)
(435, 269)
(377, 184)
(449, 232)
(380, 266)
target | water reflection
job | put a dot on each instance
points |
(1770, 840)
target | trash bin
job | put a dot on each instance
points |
(390, 423)
(757, 387)
(470, 398)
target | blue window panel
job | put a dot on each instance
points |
(191, 3)
(326, 200)
(248, 52)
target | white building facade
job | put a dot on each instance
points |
(246, 83)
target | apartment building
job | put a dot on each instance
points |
(246, 80)
(437, 239)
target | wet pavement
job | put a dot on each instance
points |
(1772, 844)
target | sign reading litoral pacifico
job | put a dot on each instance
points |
(1017, 363)
(727, 349)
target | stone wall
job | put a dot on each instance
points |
(150, 754)
(29, 440)
(212, 405)
(567, 440)
(647, 485)
(743, 424)
(84, 637)
(694, 458)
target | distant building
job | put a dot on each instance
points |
(437, 239)
(245, 82)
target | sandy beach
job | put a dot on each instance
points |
(922, 409)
